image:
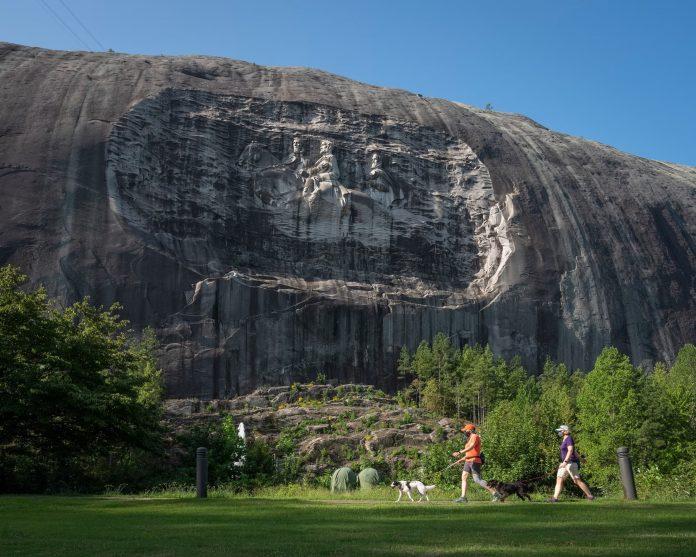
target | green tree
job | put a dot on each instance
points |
(423, 366)
(556, 404)
(682, 390)
(513, 441)
(77, 390)
(557, 396)
(474, 365)
(444, 356)
(440, 389)
(403, 366)
(610, 412)
(423, 363)
(410, 394)
(485, 380)
(667, 434)
(431, 397)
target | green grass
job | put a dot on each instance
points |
(340, 526)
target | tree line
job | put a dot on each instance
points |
(653, 412)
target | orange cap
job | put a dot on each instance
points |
(469, 427)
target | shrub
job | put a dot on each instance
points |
(79, 394)
(610, 413)
(289, 437)
(406, 418)
(513, 442)
(369, 420)
(436, 458)
(224, 449)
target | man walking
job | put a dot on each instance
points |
(570, 464)
(472, 463)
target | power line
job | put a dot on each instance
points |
(62, 22)
(82, 25)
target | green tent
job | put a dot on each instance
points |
(368, 478)
(343, 479)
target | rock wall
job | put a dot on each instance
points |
(275, 222)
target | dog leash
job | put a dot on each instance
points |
(555, 470)
(445, 469)
(448, 467)
(544, 476)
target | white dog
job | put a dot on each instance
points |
(412, 487)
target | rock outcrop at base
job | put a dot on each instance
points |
(323, 426)
(271, 223)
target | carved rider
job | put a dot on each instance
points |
(379, 178)
(256, 157)
(295, 159)
(382, 187)
(323, 175)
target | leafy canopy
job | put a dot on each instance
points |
(75, 387)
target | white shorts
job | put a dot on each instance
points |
(566, 469)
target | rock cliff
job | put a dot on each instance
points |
(274, 222)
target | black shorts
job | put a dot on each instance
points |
(472, 467)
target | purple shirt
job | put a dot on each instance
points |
(567, 442)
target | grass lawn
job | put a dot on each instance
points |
(345, 526)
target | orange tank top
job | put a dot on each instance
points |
(474, 453)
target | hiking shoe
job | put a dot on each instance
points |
(590, 497)
(496, 497)
(552, 500)
(461, 500)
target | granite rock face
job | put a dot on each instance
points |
(275, 222)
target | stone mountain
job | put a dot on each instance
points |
(275, 222)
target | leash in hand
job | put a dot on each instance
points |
(542, 477)
(448, 467)
(528, 480)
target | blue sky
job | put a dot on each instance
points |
(622, 72)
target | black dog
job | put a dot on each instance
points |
(521, 489)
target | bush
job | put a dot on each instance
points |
(610, 414)
(436, 458)
(289, 469)
(406, 418)
(79, 394)
(259, 466)
(676, 483)
(289, 437)
(378, 463)
(224, 449)
(514, 444)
